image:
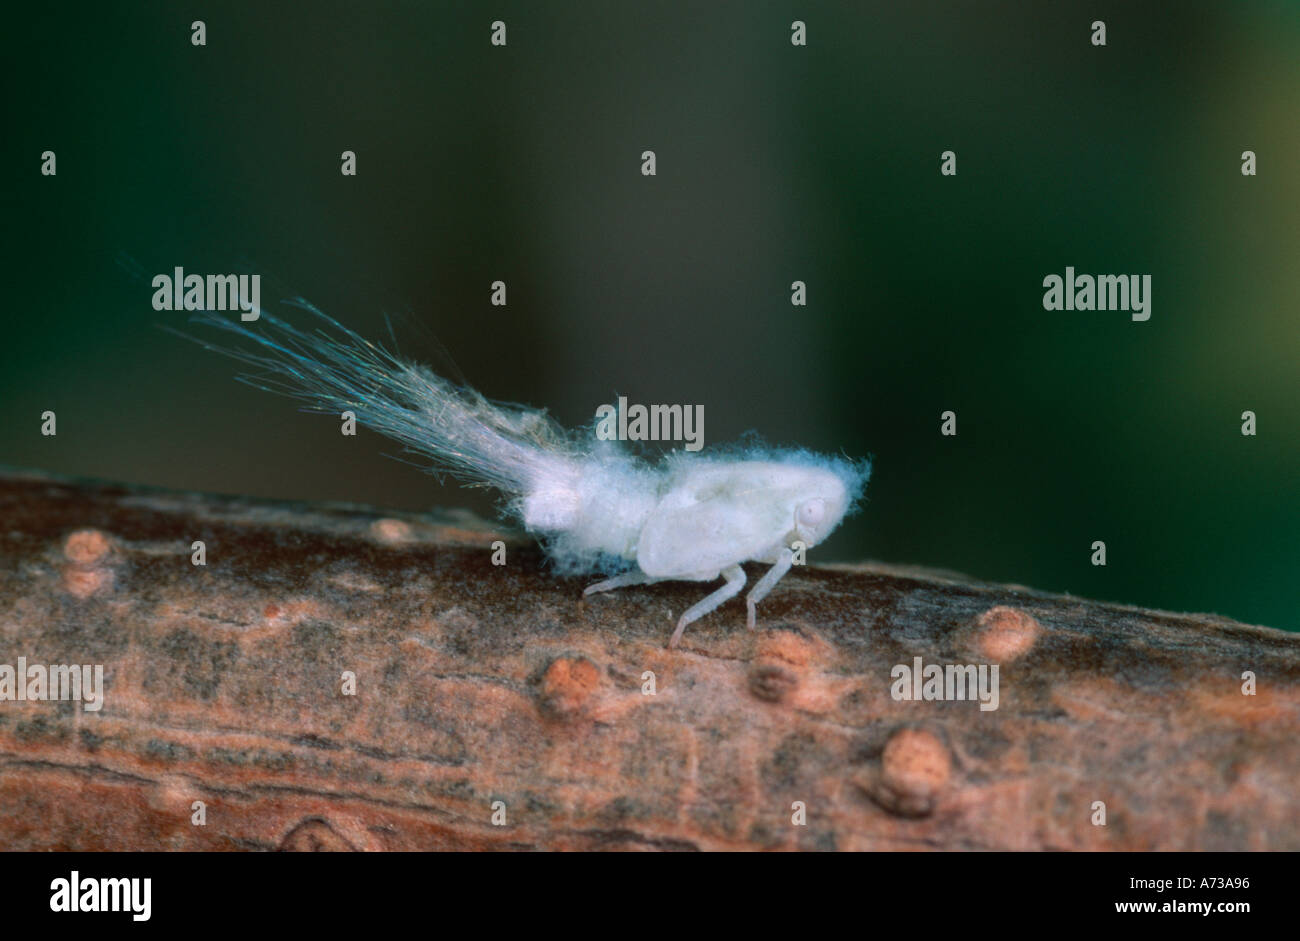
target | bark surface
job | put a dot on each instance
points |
(485, 690)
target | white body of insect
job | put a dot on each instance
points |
(697, 519)
(690, 518)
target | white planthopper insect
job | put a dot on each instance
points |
(595, 507)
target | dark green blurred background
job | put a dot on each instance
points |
(775, 163)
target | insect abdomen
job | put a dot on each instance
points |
(593, 510)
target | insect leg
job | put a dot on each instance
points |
(766, 584)
(633, 577)
(735, 577)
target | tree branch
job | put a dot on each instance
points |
(478, 683)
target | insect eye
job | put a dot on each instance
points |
(812, 512)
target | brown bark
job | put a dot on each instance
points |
(479, 683)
